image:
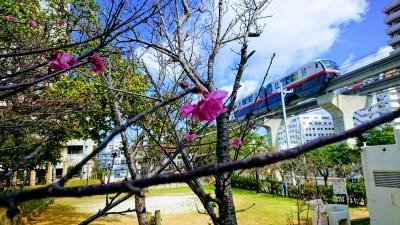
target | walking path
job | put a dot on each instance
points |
(66, 211)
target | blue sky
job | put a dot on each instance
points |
(361, 38)
(302, 30)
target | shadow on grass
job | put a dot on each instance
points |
(361, 222)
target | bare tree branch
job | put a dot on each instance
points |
(11, 199)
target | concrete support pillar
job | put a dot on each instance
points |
(342, 107)
(14, 178)
(272, 126)
(49, 173)
(32, 178)
(64, 168)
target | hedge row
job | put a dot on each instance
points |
(355, 189)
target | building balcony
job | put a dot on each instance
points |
(395, 40)
(392, 29)
(392, 17)
(391, 6)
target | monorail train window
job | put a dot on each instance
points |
(330, 64)
(303, 71)
(260, 93)
(269, 88)
(292, 78)
(316, 65)
(283, 81)
(247, 100)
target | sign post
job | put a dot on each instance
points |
(339, 187)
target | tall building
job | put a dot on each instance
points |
(385, 101)
(120, 168)
(392, 11)
(105, 157)
(304, 128)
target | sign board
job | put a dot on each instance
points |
(339, 186)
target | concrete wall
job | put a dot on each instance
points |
(383, 202)
(68, 160)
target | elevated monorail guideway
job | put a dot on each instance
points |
(365, 72)
(376, 86)
(300, 105)
(317, 84)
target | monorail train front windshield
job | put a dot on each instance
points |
(330, 65)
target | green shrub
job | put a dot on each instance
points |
(356, 192)
(355, 189)
(248, 183)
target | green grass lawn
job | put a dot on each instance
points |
(267, 210)
(30, 206)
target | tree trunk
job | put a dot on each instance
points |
(140, 204)
(197, 188)
(223, 192)
(258, 181)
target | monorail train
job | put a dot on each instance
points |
(306, 81)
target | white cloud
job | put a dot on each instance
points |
(350, 64)
(348, 60)
(298, 31)
(246, 87)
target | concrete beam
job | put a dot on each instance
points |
(379, 85)
(370, 70)
(272, 126)
(342, 107)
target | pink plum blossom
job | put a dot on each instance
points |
(208, 108)
(8, 18)
(254, 126)
(190, 136)
(186, 109)
(235, 143)
(32, 23)
(97, 63)
(62, 61)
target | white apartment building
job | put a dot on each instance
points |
(71, 154)
(304, 128)
(382, 102)
(104, 159)
(120, 167)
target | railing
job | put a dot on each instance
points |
(394, 40)
(390, 5)
(393, 28)
(392, 17)
(365, 60)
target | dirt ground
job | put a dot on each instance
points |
(176, 209)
